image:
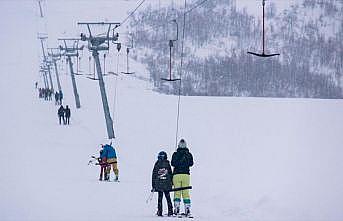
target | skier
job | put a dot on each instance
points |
(67, 114)
(60, 113)
(110, 157)
(182, 159)
(162, 182)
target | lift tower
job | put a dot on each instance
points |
(42, 38)
(55, 55)
(43, 72)
(72, 50)
(95, 44)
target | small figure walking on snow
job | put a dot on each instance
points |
(162, 182)
(60, 114)
(57, 98)
(60, 97)
(67, 114)
(182, 159)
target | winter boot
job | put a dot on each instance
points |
(159, 213)
(107, 177)
(188, 209)
(170, 212)
(170, 208)
(116, 179)
(176, 207)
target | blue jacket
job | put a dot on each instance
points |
(109, 151)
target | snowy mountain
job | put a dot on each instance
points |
(255, 158)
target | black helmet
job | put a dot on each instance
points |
(162, 155)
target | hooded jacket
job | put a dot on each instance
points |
(109, 152)
(162, 176)
(182, 159)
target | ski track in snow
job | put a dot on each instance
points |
(255, 158)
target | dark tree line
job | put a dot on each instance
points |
(218, 36)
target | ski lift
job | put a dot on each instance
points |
(77, 64)
(90, 74)
(127, 58)
(112, 73)
(118, 45)
(171, 45)
(263, 54)
(104, 72)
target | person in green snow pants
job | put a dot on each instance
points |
(182, 159)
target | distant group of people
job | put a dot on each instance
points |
(58, 98)
(45, 93)
(64, 115)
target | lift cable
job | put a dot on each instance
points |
(186, 12)
(180, 85)
(140, 4)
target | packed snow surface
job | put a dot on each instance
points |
(255, 158)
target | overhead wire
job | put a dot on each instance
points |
(180, 85)
(178, 17)
(127, 18)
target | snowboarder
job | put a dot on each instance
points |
(67, 114)
(162, 182)
(182, 159)
(60, 114)
(110, 157)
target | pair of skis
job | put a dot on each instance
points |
(180, 215)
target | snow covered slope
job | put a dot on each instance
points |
(255, 159)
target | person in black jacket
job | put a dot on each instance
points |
(182, 159)
(162, 182)
(60, 113)
(67, 114)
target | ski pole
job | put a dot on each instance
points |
(150, 197)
